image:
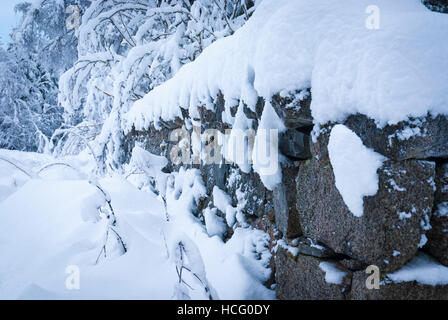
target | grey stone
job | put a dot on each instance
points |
(285, 196)
(441, 194)
(437, 244)
(294, 111)
(301, 278)
(420, 138)
(352, 264)
(377, 236)
(310, 247)
(395, 291)
(156, 141)
(295, 144)
(251, 188)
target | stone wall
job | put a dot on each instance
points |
(307, 213)
(411, 181)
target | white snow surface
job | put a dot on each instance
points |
(215, 225)
(355, 167)
(332, 274)
(442, 209)
(50, 222)
(265, 153)
(223, 202)
(388, 74)
(423, 269)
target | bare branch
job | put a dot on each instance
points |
(13, 164)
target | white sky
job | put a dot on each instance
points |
(8, 18)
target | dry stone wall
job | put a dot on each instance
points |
(306, 212)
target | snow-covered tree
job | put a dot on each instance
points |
(40, 50)
(119, 52)
(125, 49)
(42, 33)
(29, 112)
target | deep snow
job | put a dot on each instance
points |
(389, 74)
(51, 222)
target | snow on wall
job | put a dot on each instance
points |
(422, 269)
(389, 74)
(332, 274)
(355, 167)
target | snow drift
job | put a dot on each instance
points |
(389, 74)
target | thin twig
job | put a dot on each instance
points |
(113, 22)
(55, 164)
(12, 163)
(127, 31)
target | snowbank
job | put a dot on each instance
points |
(15, 169)
(388, 74)
(52, 226)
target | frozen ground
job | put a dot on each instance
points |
(50, 223)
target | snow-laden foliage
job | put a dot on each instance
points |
(121, 51)
(28, 108)
(42, 32)
(436, 5)
(40, 50)
(125, 49)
